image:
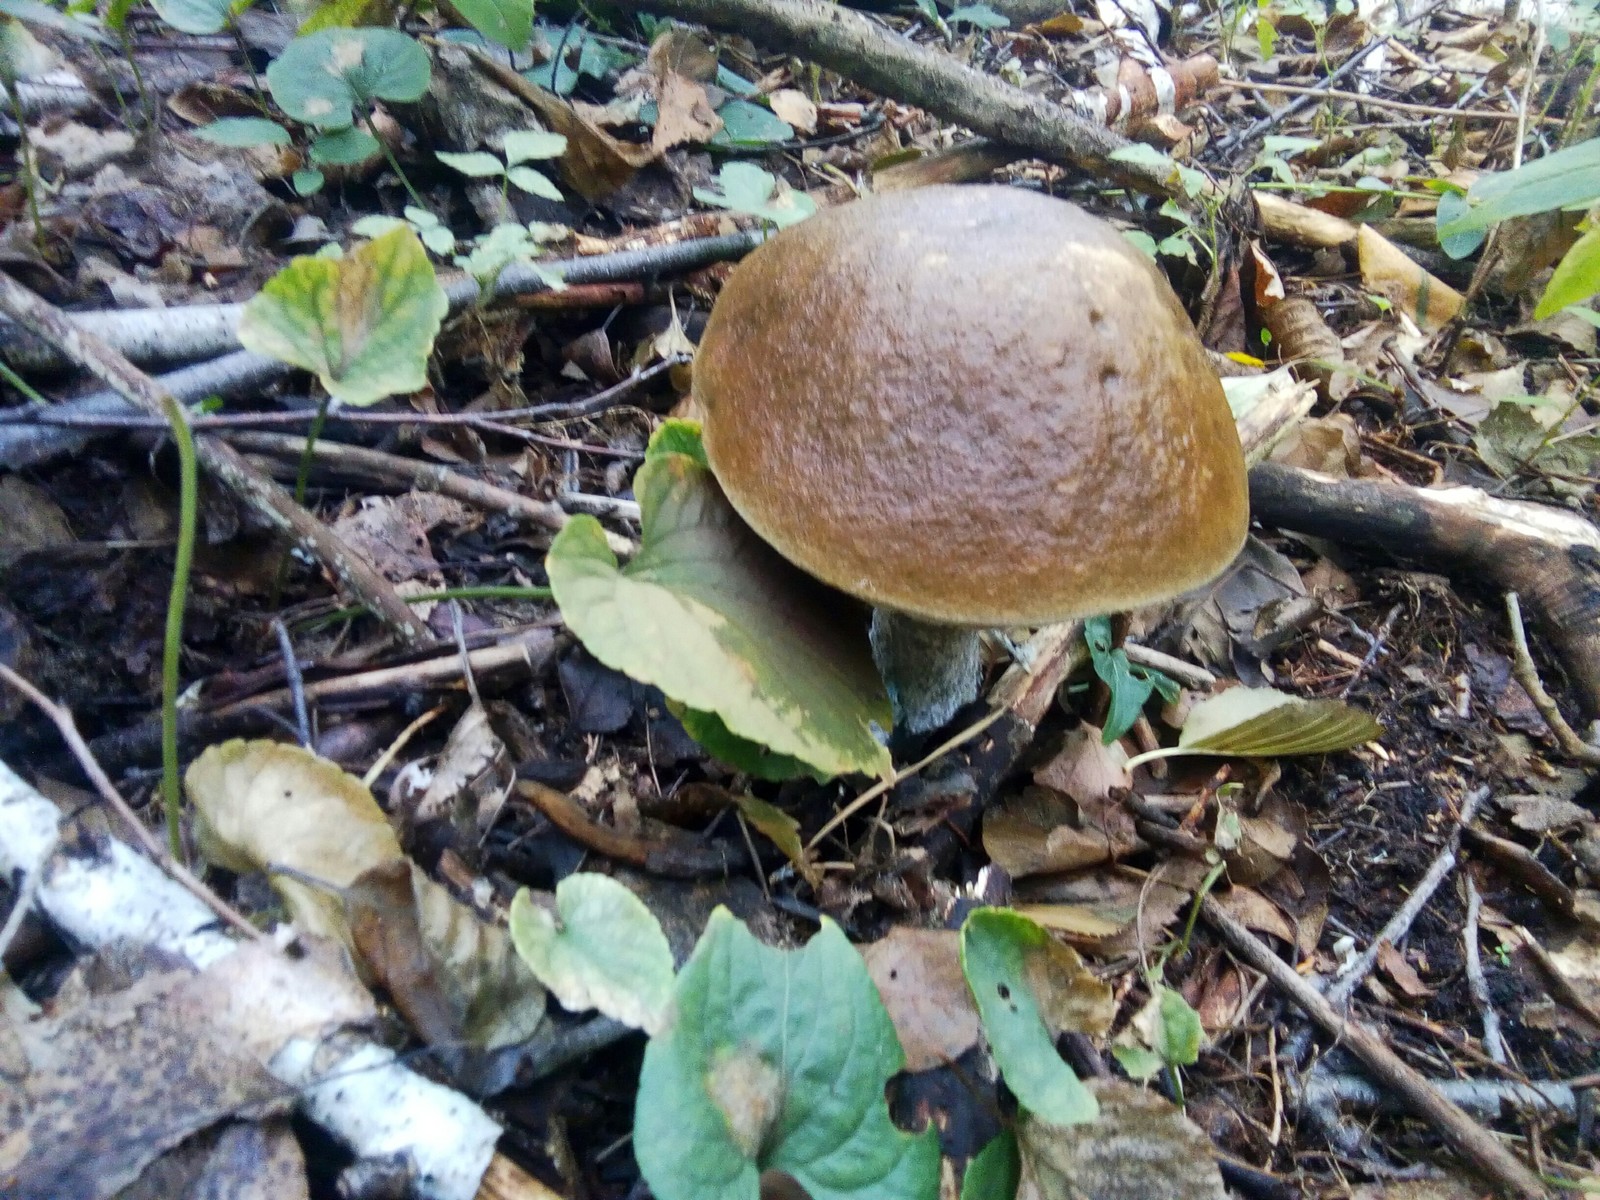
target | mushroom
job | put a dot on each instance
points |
(973, 407)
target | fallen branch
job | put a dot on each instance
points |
(1474, 1143)
(896, 67)
(1550, 556)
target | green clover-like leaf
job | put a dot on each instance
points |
(325, 77)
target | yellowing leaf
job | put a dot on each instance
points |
(364, 323)
(1266, 723)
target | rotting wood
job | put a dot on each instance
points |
(1545, 554)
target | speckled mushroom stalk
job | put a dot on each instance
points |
(972, 407)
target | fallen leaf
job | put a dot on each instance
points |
(795, 108)
(918, 975)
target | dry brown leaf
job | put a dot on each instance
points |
(456, 979)
(1076, 922)
(1256, 913)
(1401, 973)
(391, 533)
(1070, 998)
(1116, 896)
(794, 107)
(918, 975)
(471, 778)
(116, 1082)
(683, 114)
(1085, 769)
(596, 164)
(1041, 831)
(1329, 445)
(1386, 269)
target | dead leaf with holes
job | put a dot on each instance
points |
(918, 976)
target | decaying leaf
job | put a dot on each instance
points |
(1029, 987)
(783, 831)
(1040, 831)
(1140, 1146)
(918, 975)
(266, 806)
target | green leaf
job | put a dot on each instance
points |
(523, 145)
(1567, 179)
(741, 754)
(1140, 1062)
(1179, 1033)
(324, 77)
(751, 125)
(1452, 207)
(1130, 685)
(534, 182)
(307, 181)
(994, 1171)
(243, 132)
(438, 239)
(746, 188)
(1001, 952)
(32, 12)
(1576, 278)
(1266, 723)
(376, 225)
(1139, 154)
(478, 164)
(198, 17)
(364, 324)
(776, 1061)
(980, 16)
(711, 615)
(601, 949)
(574, 53)
(507, 23)
(677, 436)
(343, 147)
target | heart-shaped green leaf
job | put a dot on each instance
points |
(776, 1061)
(343, 147)
(364, 323)
(601, 949)
(324, 77)
(711, 615)
(200, 18)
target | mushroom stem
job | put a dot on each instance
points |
(929, 670)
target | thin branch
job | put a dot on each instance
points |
(1526, 674)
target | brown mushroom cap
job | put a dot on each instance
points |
(974, 405)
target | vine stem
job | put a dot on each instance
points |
(172, 647)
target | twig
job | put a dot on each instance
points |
(68, 728)
(679, 857)
(259, 492)
(1494, 1043)
(1483, 1096)
(1184, 672)
(1526, 674)
(21, 903)
(1406, 106)
(295, 681)
(1479, 1146)
(394, 470)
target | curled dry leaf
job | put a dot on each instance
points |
(794, 107)
(1140, 1145)
(260, 804)
(472, 777)
(918, 975)
(1040, 831)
